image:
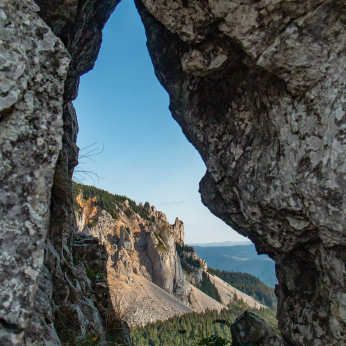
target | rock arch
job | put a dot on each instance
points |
(258, 87)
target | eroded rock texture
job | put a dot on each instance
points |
(33, 67)
(67, 306)
(258, 87)
(79, 25)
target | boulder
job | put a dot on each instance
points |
(249, 330)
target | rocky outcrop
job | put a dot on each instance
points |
(79, 25)
(178, 230)
(40, 76)
(67, 309)
(33, 67)
(248, 329)
(73, 302)
(258, 89)
(191, 263)
(137, 246)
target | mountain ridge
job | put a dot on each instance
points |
(148, 262)
(240, 258)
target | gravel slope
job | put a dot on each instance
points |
(142, 301)
(201, 302)
(227, 293)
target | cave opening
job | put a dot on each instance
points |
(122, 106)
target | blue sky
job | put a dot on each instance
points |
(122, 106)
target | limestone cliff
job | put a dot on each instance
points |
(143, 246)
(148, 262)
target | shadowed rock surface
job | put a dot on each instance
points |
(33, 67)
(36, 121)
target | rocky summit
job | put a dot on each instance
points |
(258, 87)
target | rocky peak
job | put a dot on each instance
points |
(156, 214)
(178, 231)
(138, 246)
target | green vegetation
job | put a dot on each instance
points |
(209, 288)
(208, 328)
(93, 276)
(187, 262)
(92, 223)
(184, 248)
(161, 245)
(69, 337)
(248, 284)
(240, 258)
(106, 200)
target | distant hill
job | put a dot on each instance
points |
(223, 243)
(248, 284)
(239, 258)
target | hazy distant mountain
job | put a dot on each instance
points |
(223, 243)
(241, 258)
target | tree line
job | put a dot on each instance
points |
(249, 285)
(107, 201)
(197, 328)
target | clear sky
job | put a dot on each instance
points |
(146, 157)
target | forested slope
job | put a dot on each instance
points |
(189, 328)
(248, 284)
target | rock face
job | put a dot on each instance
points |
(191, 263)
(33, 67)
(73, 300)
(258, 88)
(79, 25)
(136, 245)
(39, 78)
